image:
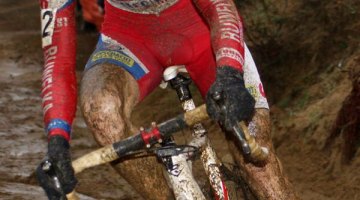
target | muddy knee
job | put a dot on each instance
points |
(266, 181)
(106, 102)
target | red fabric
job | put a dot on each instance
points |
(59, 132)
(59, 80)
(224, 192)
(227, 31)
(178, 35)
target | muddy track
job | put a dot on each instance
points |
(23, 142)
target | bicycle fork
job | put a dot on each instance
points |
(208, 157)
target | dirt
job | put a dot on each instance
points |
(305, 99)
(306, 50)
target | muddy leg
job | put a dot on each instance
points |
(267, 180)
(108, 95)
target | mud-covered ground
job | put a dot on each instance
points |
(23, 142)
(298, 133)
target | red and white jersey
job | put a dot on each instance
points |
(141, 19)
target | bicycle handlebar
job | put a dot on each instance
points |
(151, 136)
(118, 149)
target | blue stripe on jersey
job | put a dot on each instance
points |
(102, 54)
(68, 3)
(58, 123)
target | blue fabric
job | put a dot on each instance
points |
(58, 123)
(68, 3)
(103, 54)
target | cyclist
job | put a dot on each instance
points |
(139, 38)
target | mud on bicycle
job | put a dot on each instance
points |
(176, 158)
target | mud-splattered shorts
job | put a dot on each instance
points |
(147, 70)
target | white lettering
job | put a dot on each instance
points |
(229, 20)
(47, 97)
(46, 82)
(49, 53)
(61, 22)
(230, 53)
(223, 7)
(47, 86)
(230, 35)
(47, 72)
(47, 78)
(47, 108)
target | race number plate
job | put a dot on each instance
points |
(47, 26)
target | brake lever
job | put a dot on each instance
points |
(239, 134)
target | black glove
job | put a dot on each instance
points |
(55, 174)
(228, 101)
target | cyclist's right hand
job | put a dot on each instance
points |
(234, 103)
(55, 174)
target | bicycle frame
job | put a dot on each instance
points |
(183, 184)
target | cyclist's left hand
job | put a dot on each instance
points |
(61, 168)
(228, 101)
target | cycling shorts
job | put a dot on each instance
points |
(144, 45)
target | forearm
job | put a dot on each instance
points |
(59, 80)
(226, 31)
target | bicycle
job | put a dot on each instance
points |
(158, 141)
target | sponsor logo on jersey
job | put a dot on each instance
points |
(253, 90)
(229, 53)
(114, 55)
(47, 78)
(111, 51)
(143, 6)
